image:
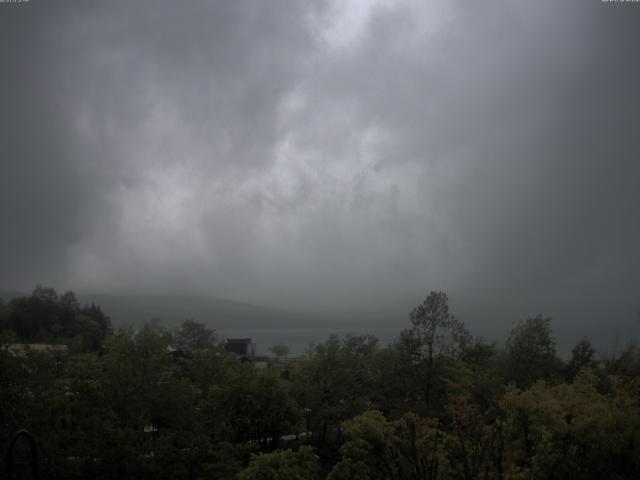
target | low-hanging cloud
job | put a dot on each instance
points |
(326, 155)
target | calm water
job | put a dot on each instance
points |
(298, 340)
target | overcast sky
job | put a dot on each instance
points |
(345, 155)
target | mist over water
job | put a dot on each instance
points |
(301, 341)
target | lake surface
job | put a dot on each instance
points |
(299, 340)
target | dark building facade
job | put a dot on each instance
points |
(242, 347)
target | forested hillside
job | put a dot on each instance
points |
(438, 403)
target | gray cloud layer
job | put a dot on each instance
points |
(345, 155)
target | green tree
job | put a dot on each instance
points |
(4, 316)
(572, 431)
(583, 355)
(334, 383)
(192, 335)
(473, 440)
(375, 448)
(626, 363)
(531, 352)
(435, 339)
(253, 406)
(48, 318)
(301, 464)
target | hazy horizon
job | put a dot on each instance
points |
(327, 156)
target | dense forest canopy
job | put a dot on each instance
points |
(438, 403)
(46, 317)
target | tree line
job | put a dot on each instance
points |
(437, 403)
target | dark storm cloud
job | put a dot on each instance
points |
(522, 120)
(342, 155)
(98, 98)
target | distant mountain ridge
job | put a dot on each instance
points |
(7, 295)
(244, 319)
(219, 314)
(215, 313)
